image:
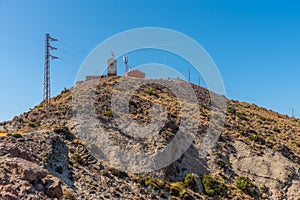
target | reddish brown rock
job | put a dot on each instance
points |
(29, 171)
(13, 151)
(53, 188)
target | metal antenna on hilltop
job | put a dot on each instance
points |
(293, 112)
(125, 59)
(48, 47)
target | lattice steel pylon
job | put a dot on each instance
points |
(48, 47)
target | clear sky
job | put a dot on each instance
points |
(255, 44)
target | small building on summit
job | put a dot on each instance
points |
(112, 70)
(135, 74)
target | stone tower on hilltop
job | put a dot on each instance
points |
(112, 65)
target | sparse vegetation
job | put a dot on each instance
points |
(69, 195)
(257, 138)
(44, 156)
(213, 187)
(8, 134)
(177, 189)
(262, 118)
(221, 163)
(190, 182)
(65, 90)
(231, 110)
(154, 183)
(277, 130)
(109, 113)
(33, 124)
(151, 92)
(119, 173)
(2, 134)
(263, 188)
(245, 185)
(57, 97)
(17, 135)
(241, 115)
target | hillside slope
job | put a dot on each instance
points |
(257, 155)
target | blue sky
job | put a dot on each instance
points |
(255, 44)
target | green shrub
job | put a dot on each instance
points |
(262, 118)
(44, 156)
(57, 97)
(108, 113)
(277, 130)
(202, 106)
(119, 173)
(152, 93)
(231, 110)
(221, 163)
(17, 135)
(245, 185)
(69, 195)
(156, 87)
(149, 92)
(271, 120)
(263, 188)
(257, 138)
(64, 91)
(213, 187)
(190, 182)
(242, 116)
(61, 129)
(33, 124)
(271, 137)
(153, 183)
(177, 189)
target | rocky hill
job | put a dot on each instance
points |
(255, 157)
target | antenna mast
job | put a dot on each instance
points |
(48, 47)
(125, 59)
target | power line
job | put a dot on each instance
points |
(48, 48)
(71, 49)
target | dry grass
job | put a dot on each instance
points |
(2, 134)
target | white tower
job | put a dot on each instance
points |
(112, 65)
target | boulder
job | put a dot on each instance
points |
(13, 151)
(53, 188)
(16, 152)
(29, 171)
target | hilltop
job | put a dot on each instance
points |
(257, 155)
